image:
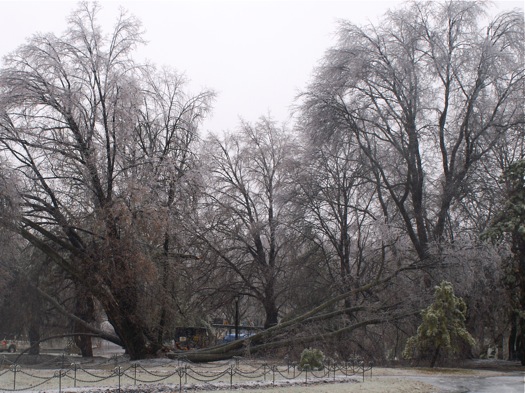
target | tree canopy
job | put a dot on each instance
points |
(332, 230)
(101, 146)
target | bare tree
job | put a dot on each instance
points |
(246, 211)
(99, 143)
(426, 96)
(339, 213)
(162, 163)
(430, 102)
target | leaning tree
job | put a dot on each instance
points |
(101, 146)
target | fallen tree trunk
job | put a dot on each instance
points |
(272, 338)
(240, 347)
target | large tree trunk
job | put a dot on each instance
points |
(85, 344)
(270, 305)
(85, 310)
(519, 249)
(35, 318)
(435, 356)
(129, 324)
(272, 313)
(34, 338)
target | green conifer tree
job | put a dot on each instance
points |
(442, 331)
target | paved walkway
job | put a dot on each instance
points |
(511, 383)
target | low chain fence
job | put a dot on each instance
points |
(180, 374)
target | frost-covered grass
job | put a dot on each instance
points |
(162, 375)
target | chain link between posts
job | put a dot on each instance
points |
(176, 372)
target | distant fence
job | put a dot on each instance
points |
(179, 374)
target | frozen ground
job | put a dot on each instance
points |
(481, 377)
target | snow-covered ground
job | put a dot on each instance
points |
(112, 374)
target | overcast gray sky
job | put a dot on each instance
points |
(256, 54)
